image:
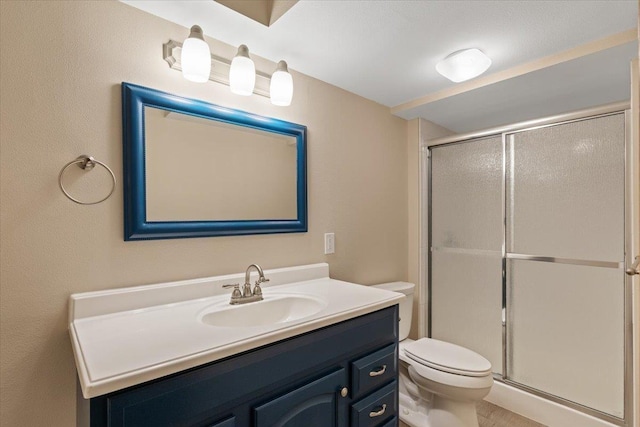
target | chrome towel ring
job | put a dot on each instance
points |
(87, 163)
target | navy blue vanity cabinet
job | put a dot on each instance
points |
(304, 381)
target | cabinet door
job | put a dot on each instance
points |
(316, 404)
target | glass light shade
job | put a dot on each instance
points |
(242, 75)
(281, 87)
(464, 65)
(196, 57)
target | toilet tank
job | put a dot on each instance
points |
(406, 305)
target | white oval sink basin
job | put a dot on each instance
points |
(272, 310)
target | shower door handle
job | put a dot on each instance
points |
(635, 267)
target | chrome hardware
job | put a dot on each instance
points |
(246, 290)
(586, 262)
(635, 267)
(378, 413)
(238, 298)
(378, 372)
(344, 392)
(236, 295)
(248, 295)
(86, 163)
(247, 275)
(257, 291)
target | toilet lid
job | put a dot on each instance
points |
(448, 357)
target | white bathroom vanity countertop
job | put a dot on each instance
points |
(125, 337)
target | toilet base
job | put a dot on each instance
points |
(439, 412)
(412, 413)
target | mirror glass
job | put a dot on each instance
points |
(200, 169)
(195, 169)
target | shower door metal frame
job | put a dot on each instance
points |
(505, 132)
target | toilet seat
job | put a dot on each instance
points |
(440, 376)
(447, 357)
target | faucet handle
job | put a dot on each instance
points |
(257, 290)
(236, 290)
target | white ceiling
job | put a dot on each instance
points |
(386, 51)
(589, 81)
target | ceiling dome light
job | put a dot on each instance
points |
(464, 65)
(242, 75)
(281, 87)
(196, 57)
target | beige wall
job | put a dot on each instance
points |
(61, 68)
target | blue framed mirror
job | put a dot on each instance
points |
(195, 169)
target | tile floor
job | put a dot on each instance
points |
(490, 415)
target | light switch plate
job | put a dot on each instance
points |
(329, 243)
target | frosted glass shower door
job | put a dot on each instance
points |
(466, 246)
(565, 255)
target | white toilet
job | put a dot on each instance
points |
(439, 382)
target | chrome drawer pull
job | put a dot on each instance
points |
(380, 412)
(378, 372)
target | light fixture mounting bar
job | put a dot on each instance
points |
(219, 68)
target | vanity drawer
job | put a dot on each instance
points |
(374, 370)
(229, 422)
(393, 422)
(377, 409)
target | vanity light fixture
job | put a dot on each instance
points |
(196, 57)
(197, 63)
(281, 86)
(242, 74)
(464, 65)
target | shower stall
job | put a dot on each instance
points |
(528, 230)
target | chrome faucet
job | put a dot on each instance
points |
(246, 291)
(248, 295)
